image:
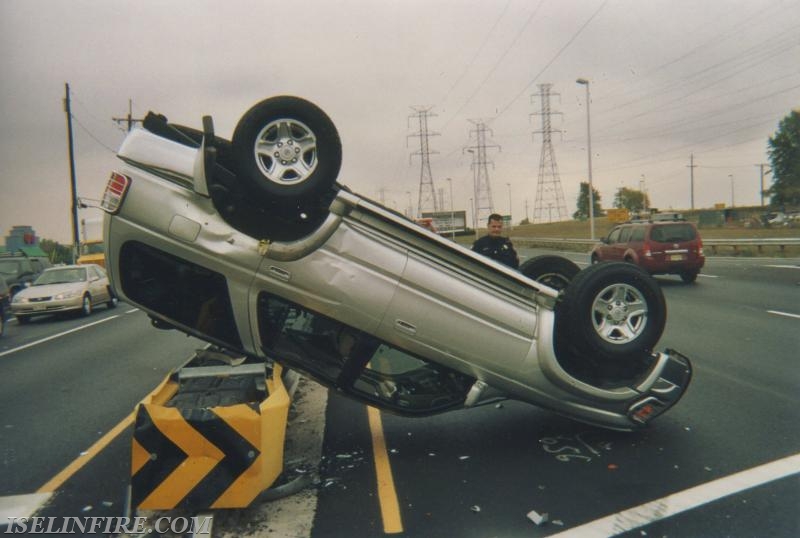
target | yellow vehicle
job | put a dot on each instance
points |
(93, 251)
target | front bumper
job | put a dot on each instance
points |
(47, 307)
(665, 392)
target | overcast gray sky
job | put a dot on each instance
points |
(668, 78)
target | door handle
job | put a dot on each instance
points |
(280, 274)
(405, 327)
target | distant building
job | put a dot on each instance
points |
(22, 238)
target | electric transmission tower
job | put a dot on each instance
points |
(427, 192)
(549, 193)
(480, 173)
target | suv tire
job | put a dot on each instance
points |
(611, 311)
(553, 271)
(689, 276)
(286, 147)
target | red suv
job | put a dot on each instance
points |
(658, 247)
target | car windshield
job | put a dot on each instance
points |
(673, 233)
(61, 276)
(9, 267)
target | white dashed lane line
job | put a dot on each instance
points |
(689, 499)
(47, 339)
(786, 314)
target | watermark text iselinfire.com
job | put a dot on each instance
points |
(105, 525)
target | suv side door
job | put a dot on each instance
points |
(610, 250)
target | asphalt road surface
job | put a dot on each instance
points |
(723, 462)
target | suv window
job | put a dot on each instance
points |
(179, 290)
(10, 268)
(624, 234)
(355, 361)
(613, 237)
(637, 234)
(673, 233)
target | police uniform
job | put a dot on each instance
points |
(497, 248)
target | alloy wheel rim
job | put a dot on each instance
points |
(619, 313)
(286, 151)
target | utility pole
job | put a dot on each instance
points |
(129, 119)
(73, 181)
(761, 168)
(691, 167)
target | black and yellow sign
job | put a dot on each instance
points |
(207, 457)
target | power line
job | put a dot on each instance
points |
(553, 59)
(91, 135)
(477, 53)
(497, 64)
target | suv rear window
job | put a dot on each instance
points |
(673, 233)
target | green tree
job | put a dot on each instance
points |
(583, 203)
(57, 252)
(631, 199)
(784, 155)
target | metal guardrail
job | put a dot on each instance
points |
(714, 244)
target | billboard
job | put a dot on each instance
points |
(448, 221)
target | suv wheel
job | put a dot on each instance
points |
(286, 147)
(553, 271)
(689, 276)
(22, 319)
(611, 311)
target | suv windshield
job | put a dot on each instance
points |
(672, 233)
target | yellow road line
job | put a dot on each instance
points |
(387, 495)
(56, 482)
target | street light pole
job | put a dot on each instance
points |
(510, 225)
(452, 220)
(732, 203)
(585, 82)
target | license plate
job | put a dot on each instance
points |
(676, 257)
(39, 307)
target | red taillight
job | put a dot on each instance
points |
(646, 251)
(115, 191)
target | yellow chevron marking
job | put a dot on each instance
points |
(202, 456)
(244, 419)
(139, 456)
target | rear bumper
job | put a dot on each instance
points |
(663, 266)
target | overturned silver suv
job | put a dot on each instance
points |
(252, 245)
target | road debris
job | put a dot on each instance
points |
(538, 518)
(475, 508)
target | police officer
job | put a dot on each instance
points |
(495, 246)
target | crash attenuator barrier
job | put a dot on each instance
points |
(211, 436)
